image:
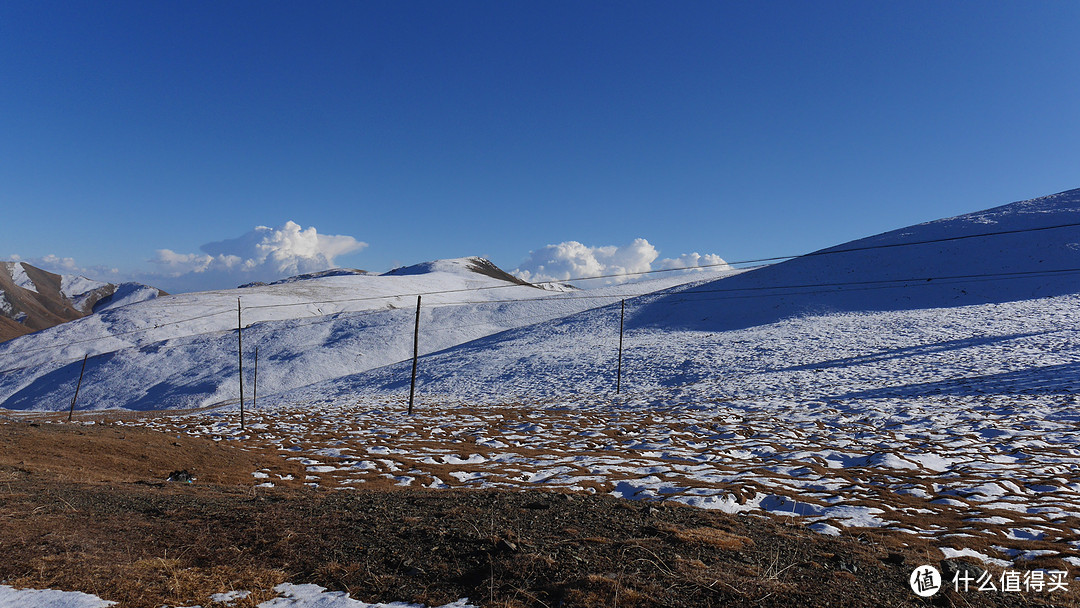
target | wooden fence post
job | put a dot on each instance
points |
(77, 386)
(240, 358)
(415, 354)
(618, 373)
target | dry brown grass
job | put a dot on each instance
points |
(112, 453)
(154, 581)
(714, 537)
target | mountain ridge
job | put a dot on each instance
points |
(33, 299)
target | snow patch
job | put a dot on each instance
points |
(314, 596)
(37, 598)
(951, 553)
(20, 278)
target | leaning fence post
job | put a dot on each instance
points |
(255, 383)
(71, 412)
(415, 354)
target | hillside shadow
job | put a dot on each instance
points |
(908, 351)
(868, 276)
(1063, 379)
(54, 390)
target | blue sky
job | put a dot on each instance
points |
(412, 131)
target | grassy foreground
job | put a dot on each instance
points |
(88, 508)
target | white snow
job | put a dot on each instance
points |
(127, 293)
(951, 553)
(19, 276)
(79, 289)
(314, 596)
(51, 598)
(229, 597)
(180, 351)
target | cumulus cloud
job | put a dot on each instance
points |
(177, 264)
(263, 254)
(571, 260)
(694, 261)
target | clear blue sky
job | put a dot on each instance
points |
(443, 129)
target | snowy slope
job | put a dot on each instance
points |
(1034, 253)
(508, 338)
(19, 276)
(126, 293)
(180, 351)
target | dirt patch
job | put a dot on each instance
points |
(119, 453)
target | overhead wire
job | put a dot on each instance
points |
(573, 295)
(822, 252)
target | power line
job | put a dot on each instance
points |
(923, 280)
(572, 295)
(115, 335)
(690, 295)
(819, 253)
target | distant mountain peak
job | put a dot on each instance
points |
(472, 264)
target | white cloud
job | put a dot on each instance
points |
(695, 261)
(286, 250)
(177, 264)
(572, 260)
(264, 254)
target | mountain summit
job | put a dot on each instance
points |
(460, 266)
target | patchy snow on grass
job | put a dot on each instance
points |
(951, 553)
(314, 596)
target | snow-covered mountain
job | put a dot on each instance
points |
(487, 335)
(180, 351)
(33, 299)
(946, 287)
